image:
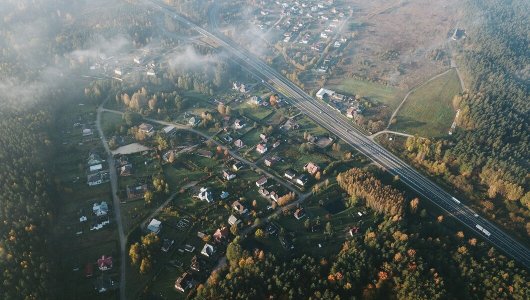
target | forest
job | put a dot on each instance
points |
(25, 203)
(488, 157)
(35, 50)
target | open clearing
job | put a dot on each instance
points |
(396, 42)
(111, 121)
(428, 111)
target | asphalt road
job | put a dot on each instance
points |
(342, 127)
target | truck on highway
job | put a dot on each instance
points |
(486, 232)
(456, 200)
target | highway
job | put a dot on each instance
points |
(336, 123)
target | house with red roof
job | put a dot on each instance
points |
(311, 168)
(261, 148)
(221, 234)
(262, 181)
(105, 263)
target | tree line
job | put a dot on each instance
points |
(379, 197)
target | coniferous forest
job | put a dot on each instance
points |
(26, 201)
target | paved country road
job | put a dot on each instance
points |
(115, 200)
(344, 129)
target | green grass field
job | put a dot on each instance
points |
(110, 121)
(254, 112)
(296, 160)
(251, 138)
(375, 92)
(428, 111)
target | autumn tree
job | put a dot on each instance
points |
(134, 253)
(151, 240)
(273, 99)
(259, 233)
(234, 229)
(221, 108)
(381, 198)
(286, 199)
(145, 265)
(161, 142)
(234, 251)
(152, 103)
(414, 203)
(148, 197)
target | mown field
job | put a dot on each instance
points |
(428, 111)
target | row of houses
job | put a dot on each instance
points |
(302, 179)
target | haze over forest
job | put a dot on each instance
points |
(314, 149)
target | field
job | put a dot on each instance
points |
(307, 125)
(428, 111)
(110, 122)
(252, 138)
(254, 112)
(394, 41)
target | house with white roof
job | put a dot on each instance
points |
(169, 130)
(205, 194)
(100, 209)
(154, 226)
(208, 250)
(323, 92)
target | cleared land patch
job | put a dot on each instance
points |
(110, 122)
(428, 111)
